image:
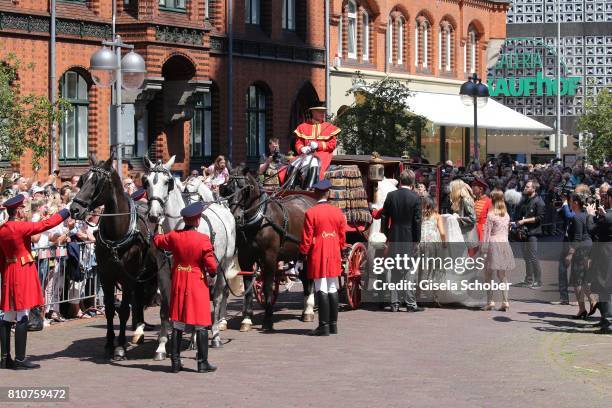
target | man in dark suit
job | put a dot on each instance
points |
(402, 214)
(600, 273)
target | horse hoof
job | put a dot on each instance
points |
(308, 318)
(119, 354)
(222, 325)
(216, 343)
(245, 327)
(159, 356)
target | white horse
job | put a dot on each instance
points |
(196, 190)
(165, 205)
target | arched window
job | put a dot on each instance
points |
(400, 41)
(472, 50)
(252, 9)
(201, 127)
(340, 37)
(445, 46)
(390, 41)
(73, 129)
(422, 46)
(365, 55)
(289, 15)
(352, 30)
(256, 121)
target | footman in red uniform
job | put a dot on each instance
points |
(193, 259)
(323, 239)
(20, 285)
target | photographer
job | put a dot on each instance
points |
(271, 165)
(531, 213)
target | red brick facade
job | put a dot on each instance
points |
(185, 53)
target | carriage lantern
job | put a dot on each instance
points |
(376, 170)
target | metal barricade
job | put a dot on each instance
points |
(68, 274)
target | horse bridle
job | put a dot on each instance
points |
(161, 169)
(106, 179)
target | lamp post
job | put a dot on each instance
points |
(475, 93)
(107, 67)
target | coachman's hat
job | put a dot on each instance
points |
(480, 183)
(139, 194)
(192, 210)
(14, 202)
(323, 185)
(319, 106)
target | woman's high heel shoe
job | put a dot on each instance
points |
(504, 308)
(488, 307)
(594, 308)
(580, 316)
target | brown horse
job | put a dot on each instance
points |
(268, 231)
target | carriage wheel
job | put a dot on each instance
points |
(355, 271)
(258, 285)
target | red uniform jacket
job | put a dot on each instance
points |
(482, 208)
(20, 285)
(325, 136)
(323, 239)
(193, 256)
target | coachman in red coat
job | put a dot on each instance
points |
(318, 138)
(323, 238)
(193, 258)
(20, 285)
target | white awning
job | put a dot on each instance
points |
(448, 110)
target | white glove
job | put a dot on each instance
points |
(305, 150)
(314, 145)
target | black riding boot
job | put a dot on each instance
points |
(5, 345)
(311, 178)
(323, 328)
(202, 356)
(21, 340)
(175, 350)
(333, 312)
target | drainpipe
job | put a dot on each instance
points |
(230, 85)
(327, 84)
(53, 87)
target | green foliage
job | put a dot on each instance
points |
(597, 121)
(25, 119)
(379, 120)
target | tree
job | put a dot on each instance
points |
(596, 121)
(379, 119)
(24, 118)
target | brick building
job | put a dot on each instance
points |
(278, 71)
(431, 45)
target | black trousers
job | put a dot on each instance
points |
(563, 279)
(533, 270)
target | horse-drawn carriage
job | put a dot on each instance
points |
(355, 187)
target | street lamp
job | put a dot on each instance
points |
(475, 93)
(108, 68)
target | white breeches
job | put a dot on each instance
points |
(326, 285)
(304, 162)
(15, 315)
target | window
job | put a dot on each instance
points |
(422, 48)
(340, 37)
(352, 30)
(400, 41)
(472, 50)
(252, 11)
(73, 129)
(390, 41)
(256, 121)
(289, 15)
(174, 5)
(445, 46)
(365, 55)
(201, 127)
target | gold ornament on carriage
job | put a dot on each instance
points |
(376, 171)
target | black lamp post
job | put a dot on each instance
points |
(474, 92)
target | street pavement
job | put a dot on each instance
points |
(533, 355)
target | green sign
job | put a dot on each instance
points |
(528, 86)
